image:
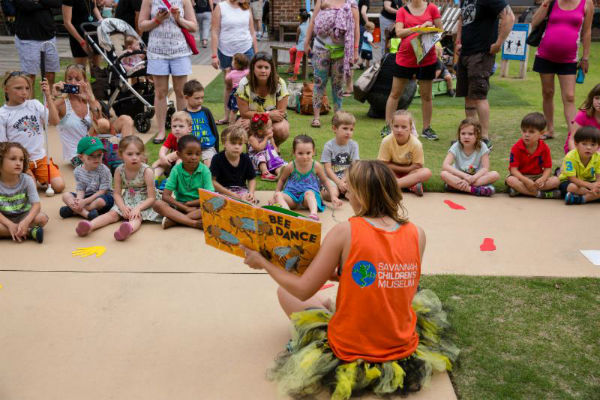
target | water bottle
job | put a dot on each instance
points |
(580, 75)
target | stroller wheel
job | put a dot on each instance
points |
(170, 112)
(142, 123)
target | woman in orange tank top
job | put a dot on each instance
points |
(385, 335)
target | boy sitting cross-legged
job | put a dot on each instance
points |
(93, 190)
(403, 153)
(186, 178)
(579, 173)
(530, 162)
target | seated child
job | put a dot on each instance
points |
(339, 153)
(134, 194)
(203, 123)
(579, 173)
(181, 125)
(20, 209)
(134, 62)
(403, 153)
(232, 168)
(300, 180)
(467, 164)
(93, 191)
(441, 72)
(262, 149)
(184, 181)
(23, 120)
(366, 52)
(588, 115)
(531, 163)
(239, 69)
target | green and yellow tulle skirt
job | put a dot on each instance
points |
(309, 366)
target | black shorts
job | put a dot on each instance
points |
(473, 75)
(425, 73)
(366, 54)
(543, 66)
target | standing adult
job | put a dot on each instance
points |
(557, 53)
(168, 52)
(479, 37)
(34, 25)
(257, 10)
(387, 18)
(232, 32)
(204, 9)
(417, 13)
(76, 12)
(129, 11)
(336, 28)
(263, 91)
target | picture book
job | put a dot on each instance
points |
(425, 40)
(287, 239)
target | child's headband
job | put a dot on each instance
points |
(264, 117)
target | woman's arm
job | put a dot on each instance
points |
(586, 33)
(244, 108)
(189, 17)
(318, 272)
(211, 5)
(67, 13)
(144, 21)
(388, 7)
(97, 12)
(355, 16)
(401, 32)
(252, 33)
(311, 27)
(540, 13)
(215, 29)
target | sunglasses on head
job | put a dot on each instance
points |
(263, 57)
(13, 74)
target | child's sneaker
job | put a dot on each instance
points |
(66, 212)
(314, 217)
(429, 134)
(486, 191)
(512, 192)
(124, 231)
(92, 214)
(167, 223)
(36, 233)
(572, 198)
(83, 228)
(386, 130)
(548, 194)
(488, 143)
(417, 189)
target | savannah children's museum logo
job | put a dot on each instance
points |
(388, 276)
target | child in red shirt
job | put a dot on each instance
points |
(377, 337)
(531, 163)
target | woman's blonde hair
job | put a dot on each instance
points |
(376, 190)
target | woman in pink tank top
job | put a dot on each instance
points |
(557, 53)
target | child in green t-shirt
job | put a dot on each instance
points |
(184, 181)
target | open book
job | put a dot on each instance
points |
(287, 239)
(425, 40)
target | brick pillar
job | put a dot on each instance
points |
(285, 11)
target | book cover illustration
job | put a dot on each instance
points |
(425, 40)
(287, 239)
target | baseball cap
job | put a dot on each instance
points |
(88, 145)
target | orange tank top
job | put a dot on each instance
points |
(374, 319)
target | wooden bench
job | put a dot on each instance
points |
(287, 28)
(276, 48)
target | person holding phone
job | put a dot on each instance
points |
(168, 52)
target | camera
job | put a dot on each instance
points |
(70, 89)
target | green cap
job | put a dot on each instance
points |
(88, 145)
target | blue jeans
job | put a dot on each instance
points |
(225, 61)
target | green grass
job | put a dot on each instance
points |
(510, 99)
(523, 338)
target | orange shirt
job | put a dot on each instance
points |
(374, 319)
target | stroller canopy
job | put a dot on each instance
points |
(110, 26)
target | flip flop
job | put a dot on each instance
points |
(158, 141)
(125, 230)
(545, 136)
(222, 122)
(268, 177)
(315, 123)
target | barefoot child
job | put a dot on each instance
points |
(262, 149)
(134, 193)
(239, 70)
(580, 168)
(181, 125)
(339, 153)
(203, 122)
(22, 120)
(232, 171)
(184, 181)
(93, 195)
(403, 153)
(467, 164)
(531, 163)
(300, 180)
(20, 209)
(379, 253)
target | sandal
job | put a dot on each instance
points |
(314, 217)
(547, 136)
(222, 122)
(269, 177)
(315, 123)
(347, 94)
(158, 141)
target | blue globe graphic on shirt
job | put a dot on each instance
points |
(364, 273)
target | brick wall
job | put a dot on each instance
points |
(285, 11)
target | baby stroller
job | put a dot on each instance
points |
(112, 85)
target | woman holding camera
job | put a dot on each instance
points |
(168, 52)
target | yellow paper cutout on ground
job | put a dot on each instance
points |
(288, 241)
(88, 251)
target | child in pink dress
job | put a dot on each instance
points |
(239, 69)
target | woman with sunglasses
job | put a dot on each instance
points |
(263, 91)
(168, 52)
(232, 32)
(336, 28)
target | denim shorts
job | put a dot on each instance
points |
(108, 199)
(225, 61)
(179, 66)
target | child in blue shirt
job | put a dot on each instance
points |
(297, 52)
(203, 123)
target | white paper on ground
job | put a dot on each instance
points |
(592, 255)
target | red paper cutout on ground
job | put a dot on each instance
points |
(454, 205)
(487, 245)
(326, 286)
